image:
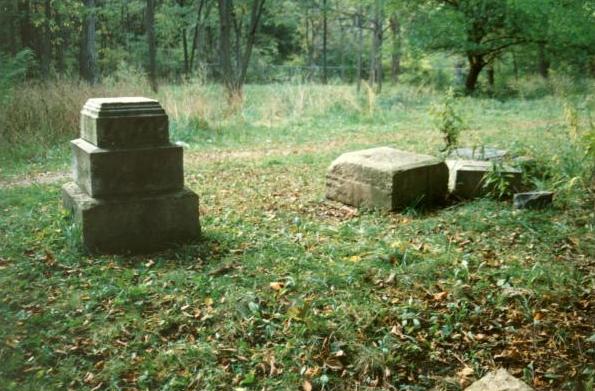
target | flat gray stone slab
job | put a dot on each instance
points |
(124, 122)
(533, 200)
(133, 224)
(386, 178)
(466, 177)
(478, 153)
(110, 173)
(499, 380)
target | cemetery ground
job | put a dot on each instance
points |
(288, 290)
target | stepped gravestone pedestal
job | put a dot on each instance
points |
(129, 194)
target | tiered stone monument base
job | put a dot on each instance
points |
(133, 224)
(128, 194)
(386, 178)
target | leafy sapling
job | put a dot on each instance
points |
(446, 120)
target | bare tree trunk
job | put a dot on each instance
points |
(476, 64)
(150, 30)
(185, 48)
(233, 80)
(257, 8)
(544, 62)
(238, 26)
(62, 45)
(225, 8)
(324, 42)
(88, 61)
(491, 77)
(199, 28)
(515, 65)
(395, 69)
(360, 48)
(46, 42)
(376, 53)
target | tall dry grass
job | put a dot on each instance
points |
(47, 113)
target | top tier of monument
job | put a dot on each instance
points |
(130, 122)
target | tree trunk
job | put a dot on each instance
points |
(185, 48)
(476, 64)
(197, 30)
(88, 61)
(257, 8)
(233, 80)
(544, 62)
(225, 46)
(46, 42)
(360, 48)
(26, 29)
(150, 29)
(395, 69)
(376, 53)
(491, 77)
(324, 42)
(515, 65)
(62, 46)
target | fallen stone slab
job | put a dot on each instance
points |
(467, 177)
(386, 178)
(533, 200)
(499, 380)
(478, 153)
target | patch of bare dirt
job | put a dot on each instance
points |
(42, 178)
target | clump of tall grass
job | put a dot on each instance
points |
(47, 113)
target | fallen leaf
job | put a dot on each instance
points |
(465, 376)
(440, 296)
(276, 286)
(391, 278)
(307, 386)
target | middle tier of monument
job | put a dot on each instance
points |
(115, 172)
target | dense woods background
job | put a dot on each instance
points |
(475, 43)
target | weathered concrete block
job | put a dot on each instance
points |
(386, 178)
(133, 224)
(124, 122)
(466, 177)
(107, 173)
(533, 200)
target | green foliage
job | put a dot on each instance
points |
(13, 70)
(497, 182)
(448, 121)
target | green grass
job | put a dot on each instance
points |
(286, 287)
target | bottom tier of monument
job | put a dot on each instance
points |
(136, 224)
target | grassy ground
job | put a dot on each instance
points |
(289, 290)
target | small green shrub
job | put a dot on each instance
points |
(448, 121)
(497, 182)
